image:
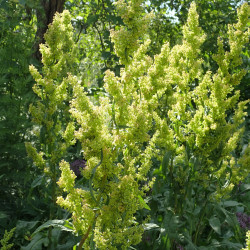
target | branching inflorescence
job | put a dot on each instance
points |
(157, 105)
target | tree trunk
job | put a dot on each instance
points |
(45, 13)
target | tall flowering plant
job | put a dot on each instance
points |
(113, 134)
(203, 122)
(53, 88)
(166, 109)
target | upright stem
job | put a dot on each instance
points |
(53, 200)
(199, 223)
(85, 236)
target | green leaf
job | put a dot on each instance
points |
(145, 205)
(245, 187)
(24, 226)
(230, 204)
(54, 223)
(214, 222)
(165, 161)
(70, 244)
(23, 2)
(92, 19)
(3, 215)
(150, 226)
(37, 242)
(37, 182)
(231, 245)
(68, 225)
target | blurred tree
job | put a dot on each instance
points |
(45, 11)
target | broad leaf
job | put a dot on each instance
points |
(215, 223)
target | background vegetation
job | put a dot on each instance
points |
(27, 193)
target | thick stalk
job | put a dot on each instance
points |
(85, 236)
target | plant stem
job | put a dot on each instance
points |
(200, 219)
(84, 238)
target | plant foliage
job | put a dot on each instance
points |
(149, 153)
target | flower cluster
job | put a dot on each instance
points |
(244, 220)
(52, 87)
(6, 238)
(136, 22)
(77, 166)
(247, 241)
